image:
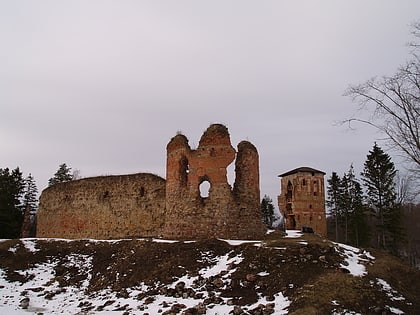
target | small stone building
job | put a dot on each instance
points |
(302, 199)
(146, 205)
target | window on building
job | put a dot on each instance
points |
(184, 169)
(204, 188)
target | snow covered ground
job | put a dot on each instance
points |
(355, 259)
(41, 292)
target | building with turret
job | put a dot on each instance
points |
(302, 199)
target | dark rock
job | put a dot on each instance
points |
(251, 277)
(24, 303)
(218, 282)
(237, 310)
(180, 286)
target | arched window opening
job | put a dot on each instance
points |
(230, 172)
(289, 193)
(204, 188)
(184, 169)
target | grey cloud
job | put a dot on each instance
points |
(104, 85)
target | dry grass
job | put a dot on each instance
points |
(296, 269)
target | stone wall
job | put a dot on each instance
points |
(145, 205)
(302, 199)
(225, 212)
(103, 207)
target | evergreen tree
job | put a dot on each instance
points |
(267, 210)
(63, 174)
(378, 177)
(344, 203)
(30, 205)
(333, 199)
(30, 199)
(11, 209)
(358, 227)
(352, 208)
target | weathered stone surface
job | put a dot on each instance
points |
(145, 205)
(302, 199)
(103, 207)
(226, 212)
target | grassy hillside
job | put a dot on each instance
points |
(297, 274)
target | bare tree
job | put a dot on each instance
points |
(406, 187)
(394, 104)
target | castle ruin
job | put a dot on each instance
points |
(302, 199)
(146, 205)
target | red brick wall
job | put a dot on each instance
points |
(146, 205)
(226, 212)
(103, 207)
(305, 205)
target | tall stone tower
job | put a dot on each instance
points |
(302, 199)
(225, 212)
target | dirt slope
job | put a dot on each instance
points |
(278, 275)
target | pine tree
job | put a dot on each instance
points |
(30, 199)
(378, 177)
(11, 208)
(358, 228)
(352, 208)
(267, 210)
(30, 205)
(344, 203)
(63, 174)
(333, 199)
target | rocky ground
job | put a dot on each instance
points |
(282, 274)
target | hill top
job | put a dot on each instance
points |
(281, 274)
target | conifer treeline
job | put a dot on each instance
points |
(18, 196)
(370, 216)
(19, 200)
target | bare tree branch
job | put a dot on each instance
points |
(394, 104)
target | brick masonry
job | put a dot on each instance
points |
(146, 205)
(302, 199)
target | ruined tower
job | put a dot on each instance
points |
(225, 212)
(302, 199)
(143, 204)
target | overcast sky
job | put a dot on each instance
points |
(104, 85)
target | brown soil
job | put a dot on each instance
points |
(308, 274)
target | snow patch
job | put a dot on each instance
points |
(391, 293)
(223, 263)
(161, 240)
(30, 244)
(345, 312)
(281, 304)
(354, 259)
(293, 234)
(239, 242)
(395, 310)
